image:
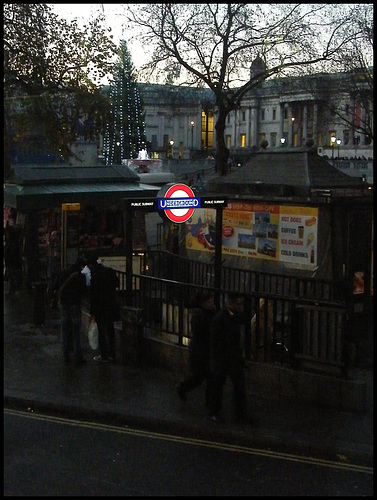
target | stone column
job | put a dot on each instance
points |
(315, 123)
(248, 127)
(304, 124)
(234, 138)
(281, 124)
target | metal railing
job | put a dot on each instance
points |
(164, 264)
(277, 327)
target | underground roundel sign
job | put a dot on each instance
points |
(179, 203)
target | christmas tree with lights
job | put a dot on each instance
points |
(125, 129)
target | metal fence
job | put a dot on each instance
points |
(163, 264)
(278, 326)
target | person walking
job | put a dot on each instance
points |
(226, 358)
(72, 289)
(199, 346)
(13, 259)
(53, 269)
(104, 308)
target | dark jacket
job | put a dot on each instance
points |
(72, 286)
(104, 303)
(200, 341)
(225, 341)
(12, 249)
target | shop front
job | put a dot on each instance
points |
(84, 205)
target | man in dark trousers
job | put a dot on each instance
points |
(72, 289)
(104, 308)
(12, 259)
(226, 358)
(202, 315)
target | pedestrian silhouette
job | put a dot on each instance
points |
(53, 269)
(226, 358)
(71, 292)
(13, 259)
(199, 346)
(104, 308)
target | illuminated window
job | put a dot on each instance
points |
(207, 128)
(243, 140)
(228, 141)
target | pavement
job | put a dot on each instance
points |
(36, 379)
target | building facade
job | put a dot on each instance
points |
(286, 112)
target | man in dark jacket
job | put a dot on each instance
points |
(71, 291)
(12, 259)
(226, 358)
(199, 346)
(104, 308)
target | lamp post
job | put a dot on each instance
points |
(293, 121)
(192, 134)
(282, 140)
(338, 141)
(171, 145)
(332, 139)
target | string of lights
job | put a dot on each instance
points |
(125, 132)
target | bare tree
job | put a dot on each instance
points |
(356, 58)
(215, 44)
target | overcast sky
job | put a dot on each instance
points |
(115, 17)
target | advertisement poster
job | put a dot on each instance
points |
(258, 230)
(298, 235)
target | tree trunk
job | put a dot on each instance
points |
(222, 152)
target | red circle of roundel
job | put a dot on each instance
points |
(188, 212)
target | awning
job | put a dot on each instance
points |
(41, 197)
(41, 187)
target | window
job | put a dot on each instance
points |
(346, 137)
(274, 113)
(273, 139)
(285, 113)
(228, 141)
(262, 114)
(243, 140)
(243, 116)
(207, 128)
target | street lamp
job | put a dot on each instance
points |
(293, 120)
(171, 145)
(282, 140)
(332, 139)
(338, 141)
(192, 134)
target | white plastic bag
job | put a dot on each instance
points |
(93, 335)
